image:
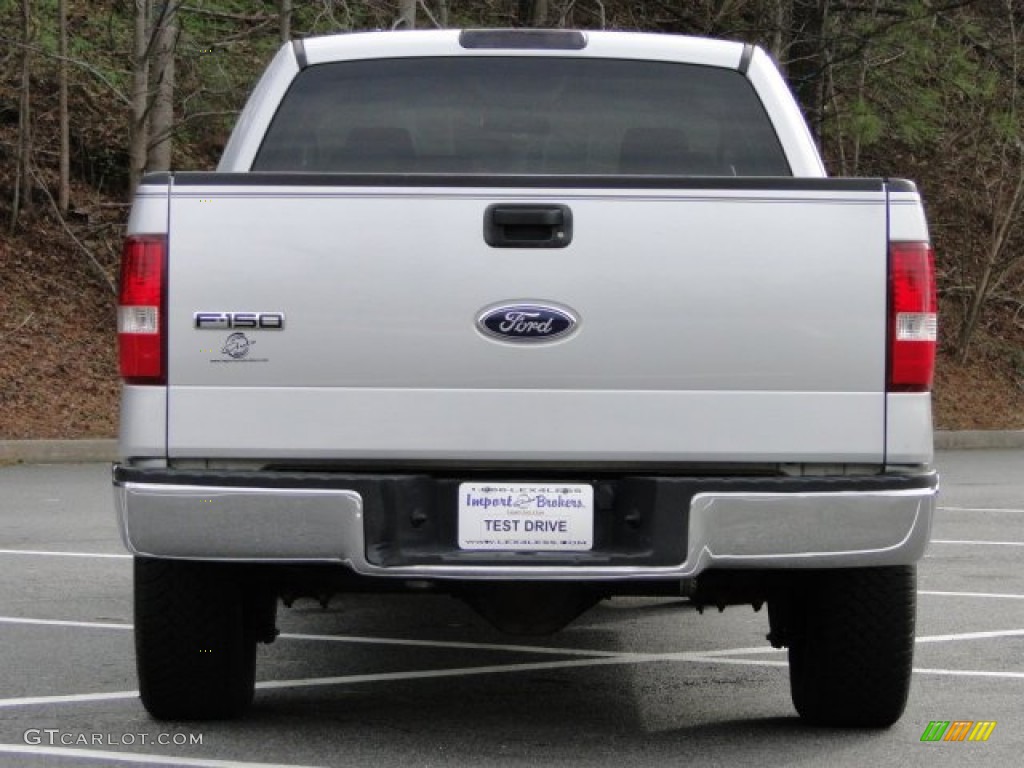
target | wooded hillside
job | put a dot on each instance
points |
(94, 93)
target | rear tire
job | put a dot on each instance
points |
(851, 645)
(196, 656)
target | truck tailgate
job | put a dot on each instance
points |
(723, 320)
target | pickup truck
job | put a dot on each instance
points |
(533, 319)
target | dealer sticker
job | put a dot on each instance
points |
(526, 517)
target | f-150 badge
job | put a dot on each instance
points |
(526, 323)
(253, 321)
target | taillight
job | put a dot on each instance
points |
(913, 322)
(140, 311)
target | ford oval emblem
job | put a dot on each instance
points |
(526, 323)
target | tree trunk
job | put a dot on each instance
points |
(862, 79)
(64, 188)
(539, 18)
(284, 8)
(532, 13)
(23, 177)
(781, 12)
(165, 36)
(997, 266)
(140, 94)
(992, 274)
(406, 14)
(808, 60)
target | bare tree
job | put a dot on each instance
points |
(140, 94)
(861, 92)
(1005, 188)
(284, 12)
(161, 75)
(533, 13)
(1009, 208)
(809, 63)
(406, 15)
(779, 14)
(64, 188)
(23, 178)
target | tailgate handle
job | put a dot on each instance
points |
(527, 226)
(524, 217)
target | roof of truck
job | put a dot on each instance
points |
(521, 42)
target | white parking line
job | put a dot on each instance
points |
(62, 623)
(452, 645)
(970, 673)
(135, 757)
(71, 698)
(49, 553)
(981, 543)
(979, 509)
(738, 651)
(971, 636)
(999, 595)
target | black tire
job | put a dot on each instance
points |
(195, 656)
(851, 645)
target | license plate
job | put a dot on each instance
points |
(526, 516)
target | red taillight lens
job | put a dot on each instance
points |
(913, 319)
(140, 311)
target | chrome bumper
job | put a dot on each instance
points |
(822, 529)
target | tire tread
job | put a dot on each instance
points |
(851, 658)
(194, 658)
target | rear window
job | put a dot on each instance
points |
(522, 115)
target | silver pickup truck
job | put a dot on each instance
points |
(534, 319)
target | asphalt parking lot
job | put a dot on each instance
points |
(421, 681)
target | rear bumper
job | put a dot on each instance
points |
(687, 525)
